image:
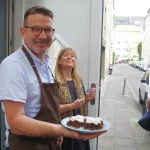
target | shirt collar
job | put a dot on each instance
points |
(37, 60)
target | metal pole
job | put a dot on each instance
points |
(124, 86)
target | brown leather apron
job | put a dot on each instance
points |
(49, 112)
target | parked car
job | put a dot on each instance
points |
(147, 67)
(144, 90)
(136, 64)
(143, 65)
(131, 63)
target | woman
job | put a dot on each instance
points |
(72, 96)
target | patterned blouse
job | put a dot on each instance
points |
(65, 98)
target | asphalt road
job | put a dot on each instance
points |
(132, 75)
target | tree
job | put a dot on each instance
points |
(113, 57)
(139, 50)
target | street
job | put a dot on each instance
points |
(122, 111)
(133, 77)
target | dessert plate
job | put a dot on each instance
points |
(106, 126)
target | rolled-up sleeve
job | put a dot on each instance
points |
(12, 82)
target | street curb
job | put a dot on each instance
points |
(103, 87)
(133, 94)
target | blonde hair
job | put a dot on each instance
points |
(74, 73)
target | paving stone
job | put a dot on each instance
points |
(143, 146)
(105, 143)
(121, 147)
(123, 132)
(109, 135)
(125, 142)
(101, 148)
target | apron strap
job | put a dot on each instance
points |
(52, 74)
(32, 64)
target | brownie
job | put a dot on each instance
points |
(76, 121)
(91, 123)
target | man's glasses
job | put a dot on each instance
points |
(38, 30)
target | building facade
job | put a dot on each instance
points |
(128, 34)
(146, 42)
(108, 27)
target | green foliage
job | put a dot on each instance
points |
(127, 61)
(139, 50)
(131, 59)
(113, 59)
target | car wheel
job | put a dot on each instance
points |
(140, 98)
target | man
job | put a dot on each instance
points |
(110, 69)
(28, 89)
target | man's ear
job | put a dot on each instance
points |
(22, 31)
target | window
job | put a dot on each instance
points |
(118, 49)
(125, 49)
(117, 56)
(118, 42)
(137, 23)
(135, 42)
(54, 50)
(125, 42)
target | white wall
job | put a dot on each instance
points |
(78, 24)
(72, 24)
(108, 32)
(18, 19)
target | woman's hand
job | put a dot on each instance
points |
(78, 103)
(90, 95)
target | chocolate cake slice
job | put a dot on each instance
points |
(92, 123)
(76, 121)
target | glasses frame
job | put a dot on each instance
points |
(53, 30)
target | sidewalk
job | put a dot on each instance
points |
(123, 113)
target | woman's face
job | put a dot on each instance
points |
(68, 59)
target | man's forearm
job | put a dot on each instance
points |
(31, 127)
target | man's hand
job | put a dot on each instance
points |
(76, 135)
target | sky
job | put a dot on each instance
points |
(131, 7)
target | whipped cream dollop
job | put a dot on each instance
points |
(93, 120)
(78, 118)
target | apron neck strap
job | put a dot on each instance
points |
(52, 74)
(32, 64)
